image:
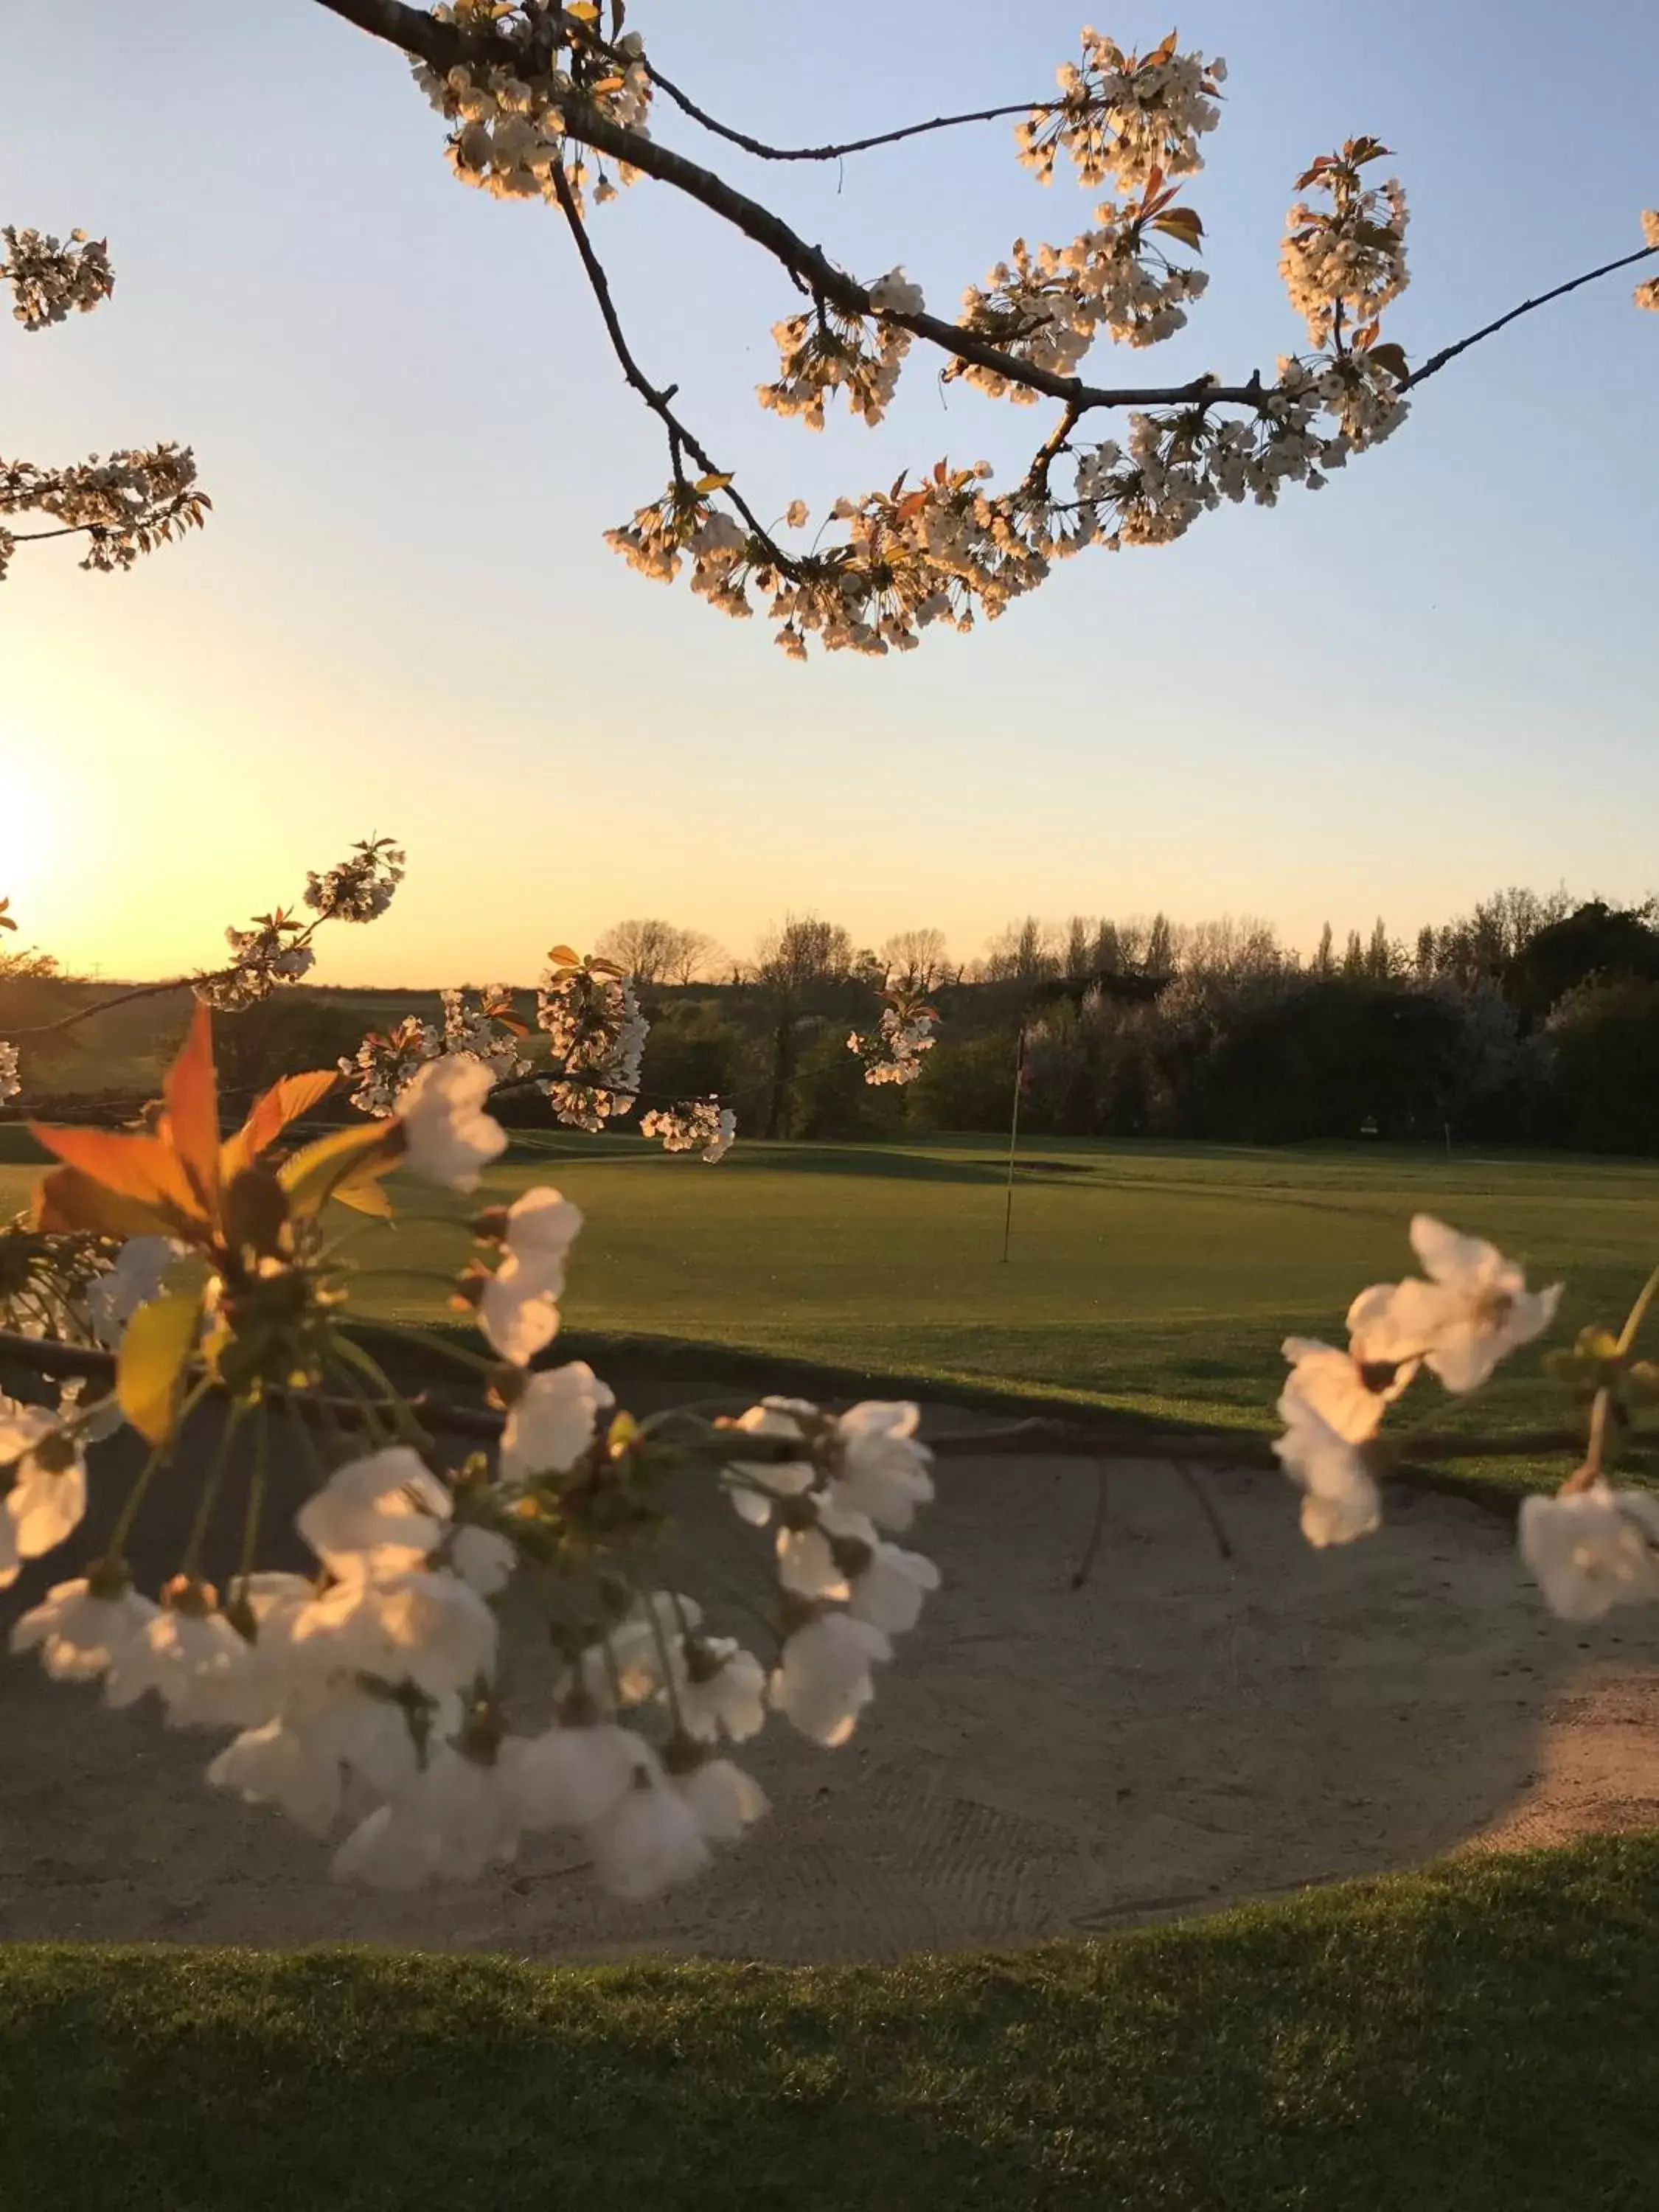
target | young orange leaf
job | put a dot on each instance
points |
(67, 1200)
(283, 1103)
(191, 1123)
(130, 1166)
(155, 1350)
(563, 957)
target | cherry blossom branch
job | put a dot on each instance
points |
(442, 46)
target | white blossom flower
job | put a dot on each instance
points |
(634, 1659)
(380, 1514)
(882, 1469)
(10, 1083)
(541, 1225)
(552, 1421)
(757, 1485)
(1346, 1396)
(450, 1138)
(46, 1475)
(293, 1768)
(1593, 1549)
(519, 1310)
(722, 1800)
(453, 1820)
(1341, 1500)
(725, 1136)
(483, 1558)
(1474, 1309)
(811, 1560)
(650, 1839)
(571, 1776)
(328, 1729)
(133, 1281)
(822, 1681)
(80, 1633)
(175, 1650)
(721, 1691)
(428, 1628)
(890, 1591)
(245, 1695)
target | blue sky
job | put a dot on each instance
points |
(1435, 676)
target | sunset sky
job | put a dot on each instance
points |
(1438, 676)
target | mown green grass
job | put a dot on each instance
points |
(1483, 2036)
(1156, 1280)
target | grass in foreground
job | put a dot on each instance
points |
(1480, 2037)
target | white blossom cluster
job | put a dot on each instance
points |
(490, 1031)
(1647, 294)
(51, 278)
(893, 1054)
(273, 952)
(362, 886)
(1126, 116)
(363, 1699)
(683, 522)
(127, 505)
(10, 1082)
(1468, 1311)
(1350, 255)
(386, 1062)
(827, 349)
(1049, 307)
(703, 1125)
(597, 1032)
(510, 137)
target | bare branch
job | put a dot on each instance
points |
(1437, 362)
(683, 101)
(680, 439)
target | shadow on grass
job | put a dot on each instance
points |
(1484, 2037)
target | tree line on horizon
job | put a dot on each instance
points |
(1533, 1019)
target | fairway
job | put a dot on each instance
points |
(1156, 1278)
(1159, 1280)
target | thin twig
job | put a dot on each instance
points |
(758, 147)
(1437, 362)
(655, 398)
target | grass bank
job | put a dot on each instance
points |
(1483, 2036)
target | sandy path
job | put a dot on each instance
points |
(1180, 1733)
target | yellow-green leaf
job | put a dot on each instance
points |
(352, 1158)
(1184, 223)
(155, 1350)
(712, 484)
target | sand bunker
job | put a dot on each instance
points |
(1180, 1733)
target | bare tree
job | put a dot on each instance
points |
(915, 959)
(1023, 953)
(697, 957)
(648, 950)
